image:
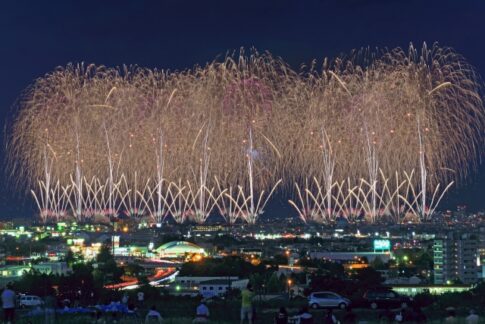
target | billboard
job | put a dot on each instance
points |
(382, 245)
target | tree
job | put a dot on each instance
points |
(104, 254)
(378, 264)
(81, 284)
(133, 269)
(368, 277)
(69, 258)
(107, 269)
(227, 266)
(257, 280)
(280, 259)
(424, 261)
(273, 284)
(324, 267)
(35, 283)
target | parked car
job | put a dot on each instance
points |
(327, 299)
(386, 298)
(30, 301)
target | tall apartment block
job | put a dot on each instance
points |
(456, 258)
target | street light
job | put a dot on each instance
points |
(289, 288)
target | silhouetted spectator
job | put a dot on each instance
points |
(399, 318)
(202, 313)
(472, 318)
(305, 316)
(329, 317)
(98, 317)
(153, 316)
(140, 297)
(281, 317)
(8, 304)
(125, 299)
(451, 315)
(131, 312)
(247, 304)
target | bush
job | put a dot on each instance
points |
(424, 299)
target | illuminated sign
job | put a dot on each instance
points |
(115, 240)
(382, 245)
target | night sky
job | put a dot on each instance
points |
(36, 36)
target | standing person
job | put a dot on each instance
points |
(153, 316)
(247, 304)
(201, 313)
(8, 304)
(140, 296)
(50, 309)
(124, 299)
(281, 317)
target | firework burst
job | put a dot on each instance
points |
(371, 136)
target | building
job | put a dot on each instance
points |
(57, 268)
(195, 281)
(178, 249)
(15, 272)
(344, 257)
(131, 251)
(456, 259)
(218, 287)
(251, 252)
(208, 231)
(481, 248)
(412, 290)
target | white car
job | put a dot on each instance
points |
(30, 301)
(327, 299)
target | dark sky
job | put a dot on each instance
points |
(36, 36)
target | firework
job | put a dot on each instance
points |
(374, 135)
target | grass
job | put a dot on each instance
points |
(181, 310)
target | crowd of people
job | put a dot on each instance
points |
(113, 312)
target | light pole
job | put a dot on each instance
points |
(289, 288)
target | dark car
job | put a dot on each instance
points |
(386, 298)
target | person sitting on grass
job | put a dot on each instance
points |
(472, 318)
(98, 317)
(153, 316)
(329, 317)
(131, 311)
(305, 316)
(202, 313)
(450, 315)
